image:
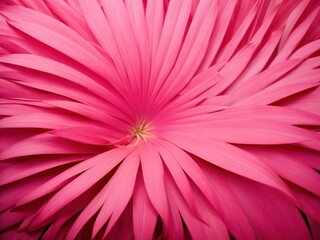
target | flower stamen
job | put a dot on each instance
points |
(142, 131)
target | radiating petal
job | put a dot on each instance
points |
(232, 159)
(270, 213)
(153, 176)
(144, 214)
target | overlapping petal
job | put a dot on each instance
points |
(157, 119)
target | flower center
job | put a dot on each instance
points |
(142, 131)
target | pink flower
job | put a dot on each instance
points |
(160, 119)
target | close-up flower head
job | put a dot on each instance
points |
(159, 119)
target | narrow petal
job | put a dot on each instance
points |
(232, 159)
(144, 214)
(116, 156)
(79, 185)
(267, 206)
(118, 193)
(47, 144)
(67, 46)
(153, 177)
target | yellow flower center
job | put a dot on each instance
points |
(142, 131)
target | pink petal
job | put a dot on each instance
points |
(124, 37)
(70, 16)
(68, 46)
(284, 88)
(223, 155)
(269, 212)
(47, 65)
(258, 132)
(176, 172)
(144, 214)
(152, 169)
(15, 172)
(93, 164)
(117, 193)
(222, 24)
(290, 168)
(171, 40)
(229, 49)
(47, 144)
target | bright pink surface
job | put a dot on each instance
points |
(159, 119)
